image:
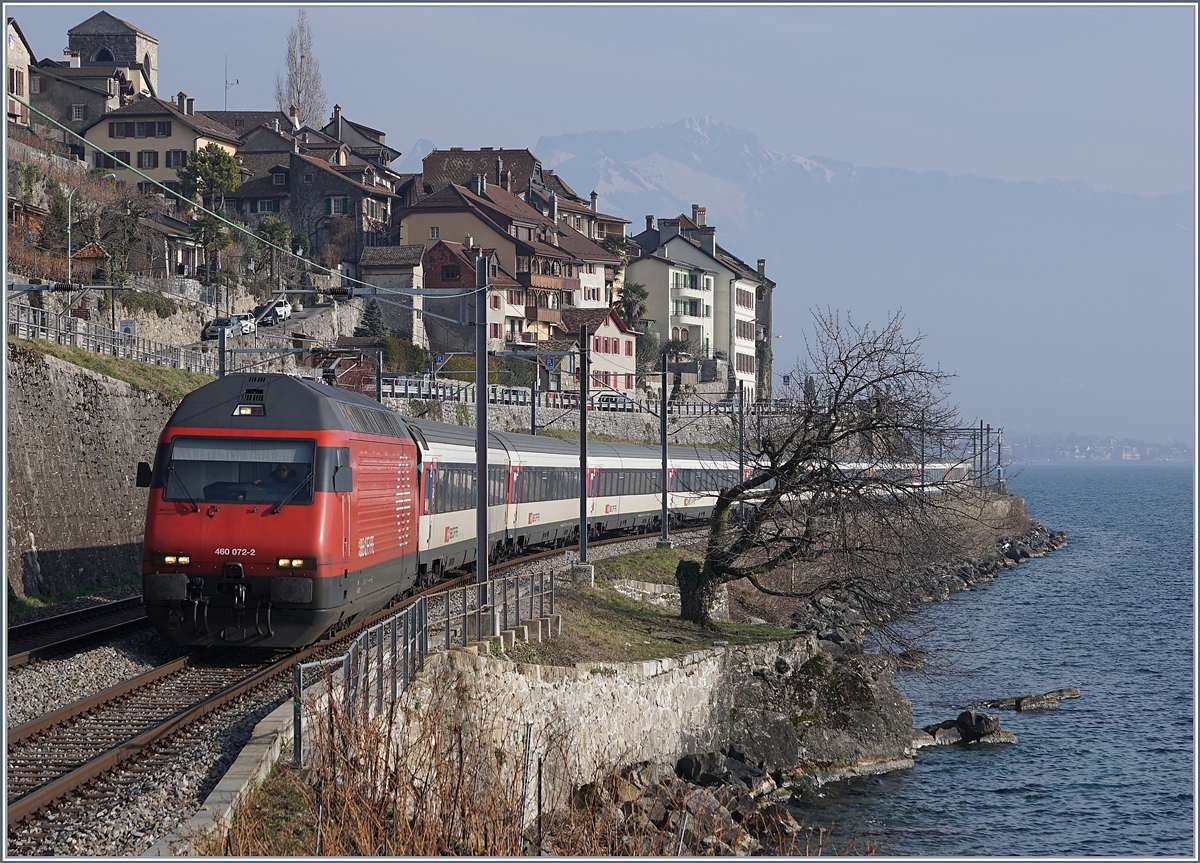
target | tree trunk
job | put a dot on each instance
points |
(697, 591)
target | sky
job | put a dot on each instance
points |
(1100, 94)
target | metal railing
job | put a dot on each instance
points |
(26, 322)
(384, 659)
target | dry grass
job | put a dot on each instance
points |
(449, 783)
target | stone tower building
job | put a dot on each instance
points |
(104, 38)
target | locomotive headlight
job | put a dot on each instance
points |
(160, 559)
(296, 563)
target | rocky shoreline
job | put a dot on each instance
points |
(799, 719)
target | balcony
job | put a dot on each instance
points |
(553, 283)
(542, 314)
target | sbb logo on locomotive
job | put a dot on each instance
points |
(366, 546)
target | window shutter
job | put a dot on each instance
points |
(254, 206)
(183, 156)
(329, 206)
(275, 205)
(345, 205)
(85, 112)
(112, 130)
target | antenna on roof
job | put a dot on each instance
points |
(228, 83)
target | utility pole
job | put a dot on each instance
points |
(584, 371)
(379, 376)
(741, 439)
(221, 351)
(481, 433)
(665, 541)
(533, 399)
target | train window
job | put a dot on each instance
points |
(221, 470)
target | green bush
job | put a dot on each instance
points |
(149, 301)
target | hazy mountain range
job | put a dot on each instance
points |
(1062, 309)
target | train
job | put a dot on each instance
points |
(282, 509)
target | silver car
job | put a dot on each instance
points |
(213, 329)
(246, 319)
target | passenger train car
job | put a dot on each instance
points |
(281, 508)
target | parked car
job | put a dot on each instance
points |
(246, 320)
(283, 307)
(614, 402)
(213, 329)
(266, 315)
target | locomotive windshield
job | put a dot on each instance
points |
(221, 470)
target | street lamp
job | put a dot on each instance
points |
(70, 250)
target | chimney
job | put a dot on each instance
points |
(506, 181)
(500, 172)
(336, 119)
(762, 266)
(649, 223)
(708, 239)
(191, 106)
(294, 116)
(696, 213)
(181, 102)
(71, 57)
(594, 197)
(275, 125)
(701, 218)
(667, 228)
(554, 208)
(468, 242)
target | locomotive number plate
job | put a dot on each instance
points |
(235, 552)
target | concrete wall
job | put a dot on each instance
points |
(75, 516)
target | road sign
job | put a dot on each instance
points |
(570, 555)
(549, 362)
(440, 359)
(787, 379)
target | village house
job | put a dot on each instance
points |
(18, 57)
(396, 268)
(450, 265)
(701, 294)
(156, 137)
(613, 349)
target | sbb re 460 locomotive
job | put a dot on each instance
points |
(281, 508)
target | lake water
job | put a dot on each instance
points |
(1111, 773)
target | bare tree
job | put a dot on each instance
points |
(834, 485)
(302, 85)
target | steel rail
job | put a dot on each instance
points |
(45, 637)
(142, 742)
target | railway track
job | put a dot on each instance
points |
(66, 632)
(66, 751)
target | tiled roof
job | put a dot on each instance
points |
(584, 248)
(570, 206)
(261, 187)
(443, 167)
(258, 164)
(90, 251)
(98, 24)
(392, 256)
(502, 280)
(556, 184)
(155, 107)
(593, 318)
(250, 119)
(327, 168)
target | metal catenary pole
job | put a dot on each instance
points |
(221, 351)
(537, 371)
(584, 371)
(481, 432)
(662, 435)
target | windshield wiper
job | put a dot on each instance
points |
(191, 500)
(291, 494)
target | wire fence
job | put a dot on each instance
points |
(26, 322)
(384, 659)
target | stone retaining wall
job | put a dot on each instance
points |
(75, 515)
